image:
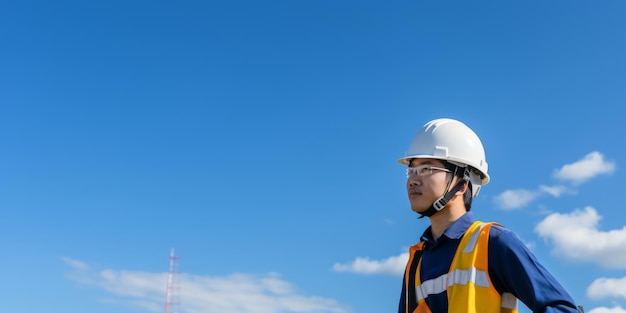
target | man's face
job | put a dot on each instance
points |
(426, 182)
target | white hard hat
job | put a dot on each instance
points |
(452, 141)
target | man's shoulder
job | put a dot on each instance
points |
(500, 235)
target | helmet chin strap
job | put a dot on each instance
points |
(440, 203)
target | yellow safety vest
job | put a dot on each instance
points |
(467, 283)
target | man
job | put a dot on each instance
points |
(463, 265)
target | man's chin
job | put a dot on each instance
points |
(419, 209)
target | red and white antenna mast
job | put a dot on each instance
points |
(172, 295)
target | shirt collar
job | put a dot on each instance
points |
(454, 231)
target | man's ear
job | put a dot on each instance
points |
(463, 189)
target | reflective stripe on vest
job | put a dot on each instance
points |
(460, 277)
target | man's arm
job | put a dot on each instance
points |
(513, 268)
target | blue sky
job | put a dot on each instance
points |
(260, 138)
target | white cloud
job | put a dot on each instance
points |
(204, 294)
(519, 198)
(515, 199)
(591, 165)
(577, 237)
(555, 191)
(616, 309)
(607, 288)
(391, 266)
(77, 265)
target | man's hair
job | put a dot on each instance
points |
(458, 172)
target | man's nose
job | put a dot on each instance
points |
(414, 180)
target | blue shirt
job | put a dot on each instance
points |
(512, 268)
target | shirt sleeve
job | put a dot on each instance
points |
(513, 268)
